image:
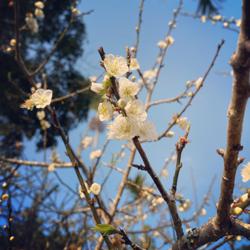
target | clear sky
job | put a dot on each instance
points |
(112, 25)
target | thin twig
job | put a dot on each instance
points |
(170, 201)
(195, 93)
(138, 27)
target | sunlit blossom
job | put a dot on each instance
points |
(134, 65)
(31, 23)
(127, 89)
(95, 154)
(95, 188)
(87, 141)
(40, 115)
(115, 65)
(169, 40)
(123, 128)
(147, 131)
(39, 4)
(162, 44)
(96, 87)
(105, 111)
(183, 123)
(245, 172)
(135, 110)
(39, 13)
(42, 98)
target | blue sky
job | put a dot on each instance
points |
(112, 25)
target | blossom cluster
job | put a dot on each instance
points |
(120, 102)
(40, 98)
(95, 189)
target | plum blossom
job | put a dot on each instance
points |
(39, 4)
(162, 44)
(87, 141)
(39, 13)
(127, 89)
(95, 188)
(41, 98)
(96, 87)
(115, 65)
(135, 110)
(105, 111)
(147, 131)
(169, 40)
(123, 128)
(134, 65)
(245, 173)
(183, 123)
(95, 154)
(31, 23)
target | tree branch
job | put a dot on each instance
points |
(241, 66)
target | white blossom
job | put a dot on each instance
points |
(238, 22)
(203, 19)
(13, 42)
(134, 65)
(87, 141)
(169, 40)
(75, 11)
(41, 98)
(183, 123)
(28, 104)
(170, 134)
(203, 212)
(198, 83)
(96, 87)
(39, 13)
(95, 154)
(39, 4)
(105, 111)
(147, 131)
(122, 103)
(150, 74)
(45, 124)
(31, 23)
(81, 193)
(123, 128)
(127, 89)
(40, 115)
(217, 17)
(95, 188)
(135, 110)
(51, 167)
(245, 173)
(162, 44)
(115, 65)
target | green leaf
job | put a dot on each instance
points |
(105, 229)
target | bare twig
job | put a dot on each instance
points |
(170, 201)
(180, 145)
(138, 27)
(195, 93)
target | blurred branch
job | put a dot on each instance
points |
(36, 163)
(72, 94)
